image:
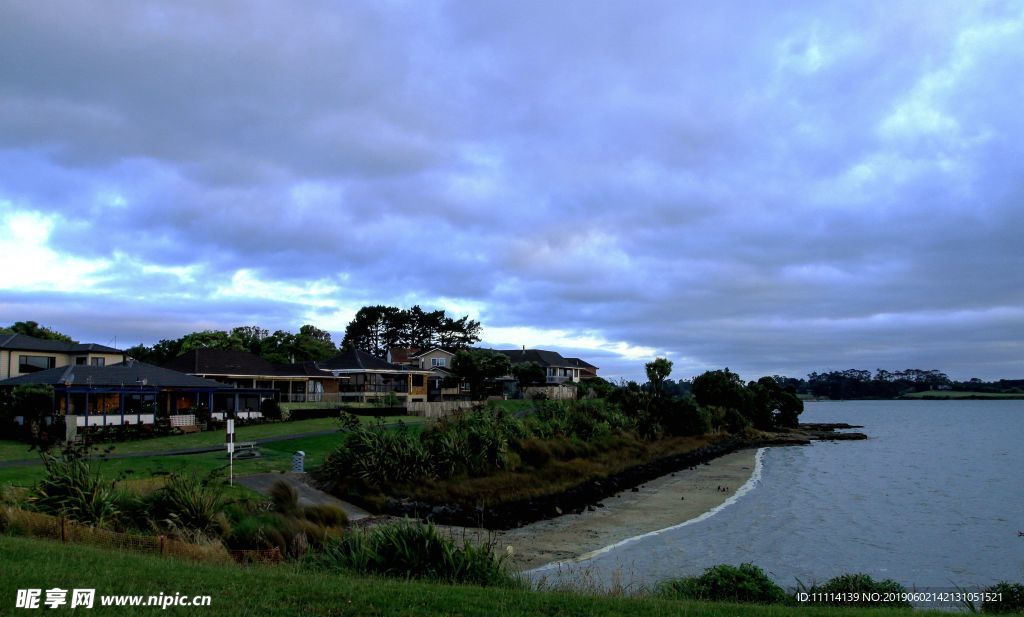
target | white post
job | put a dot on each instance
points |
(231, 451)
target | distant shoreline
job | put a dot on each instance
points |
(930, 396)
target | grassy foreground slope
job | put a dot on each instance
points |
(287, 590)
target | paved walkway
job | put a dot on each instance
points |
(308, 496)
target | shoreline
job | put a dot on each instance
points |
(679, 498)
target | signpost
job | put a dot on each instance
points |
(231, 451)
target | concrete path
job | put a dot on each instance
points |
(308, 496)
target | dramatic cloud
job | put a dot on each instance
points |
(775, 189)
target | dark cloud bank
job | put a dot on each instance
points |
(773, 189)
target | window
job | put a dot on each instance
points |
(417, 381)
(437, 362)
(98, 362)
(31, 364)
(81, 360)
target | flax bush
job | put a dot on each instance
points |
(186, 503)
(73, 487)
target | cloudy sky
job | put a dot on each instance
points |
(773, 187)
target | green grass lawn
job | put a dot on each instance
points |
(289, 590)
(276, 456)
(13, 450)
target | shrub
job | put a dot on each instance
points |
(681, 416)
(73, 487)
(415, 550)
(293, 536)
(845, 585)
(259, 531)
(378, 455)
(725, 583)
(270, 409)
(587, 419)
(1011, 598)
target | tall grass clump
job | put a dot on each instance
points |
(724, 583)
(187, 504)
(289, 527)
(415, 550)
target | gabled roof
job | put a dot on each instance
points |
(23, 342)
(356, 359)
(130, 373)
(581, 363)
(542, 357)
(224, 362)
(427, 350)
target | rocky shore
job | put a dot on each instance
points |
(590, 495)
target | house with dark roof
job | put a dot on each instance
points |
(134, 392)
(557, 369)
(241, 369)
(21, 354)
(353, 375)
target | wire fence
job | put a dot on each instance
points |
(40, 525)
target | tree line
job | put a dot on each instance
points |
(863, 384)
(32, 328)
(374, 329)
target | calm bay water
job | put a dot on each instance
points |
(934, 498)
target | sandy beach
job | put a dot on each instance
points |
(664, 502)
